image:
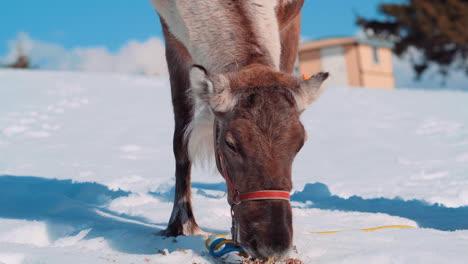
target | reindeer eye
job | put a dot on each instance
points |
(230, 145)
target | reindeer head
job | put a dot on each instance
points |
(257, 112)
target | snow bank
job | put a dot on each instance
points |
(86, 174)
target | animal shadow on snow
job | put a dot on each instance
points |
(68, 207)
(427, 215)
(200, 188)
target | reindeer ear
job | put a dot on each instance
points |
(212, 90)
(201, 85)
(310, 90)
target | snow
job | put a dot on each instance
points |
(86, 174)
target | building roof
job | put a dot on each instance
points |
(330, 42)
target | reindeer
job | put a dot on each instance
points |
(235, 100)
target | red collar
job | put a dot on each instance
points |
(236, 197)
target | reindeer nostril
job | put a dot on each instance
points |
(253, 244)
(270, 248)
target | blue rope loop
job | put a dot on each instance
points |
(228, 248)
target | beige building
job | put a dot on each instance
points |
(350, 61)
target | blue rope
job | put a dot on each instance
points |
(228, 248)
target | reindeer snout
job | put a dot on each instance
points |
(274, 248)
(265, 228)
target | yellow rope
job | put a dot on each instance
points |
(365, 229)
(222, 243)
(208, 241)
(244, 254)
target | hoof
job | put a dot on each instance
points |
(187, 229)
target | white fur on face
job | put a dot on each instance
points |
(209, 96)
(214, 91)
(223, 100)
(201, 86)
(200, 137)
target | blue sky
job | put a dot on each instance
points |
(125, 35)
(111, 23)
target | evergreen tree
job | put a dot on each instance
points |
(22, 60)
(438, 29)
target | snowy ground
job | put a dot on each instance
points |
(86, 174)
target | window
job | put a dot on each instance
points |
(375, 54)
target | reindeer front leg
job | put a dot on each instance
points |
(182, 221)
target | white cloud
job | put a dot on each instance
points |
(145, 57)
(148, 57)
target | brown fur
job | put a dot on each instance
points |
(290, 36)
(288, 11)
(252, 51)
(256, 75)
(263, 128)
(179, 62)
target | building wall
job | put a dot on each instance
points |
(378, 81)
(309, 62)
(376, 74)
(333, 60)
(367, 61)
(359, 68)
(352, 65)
